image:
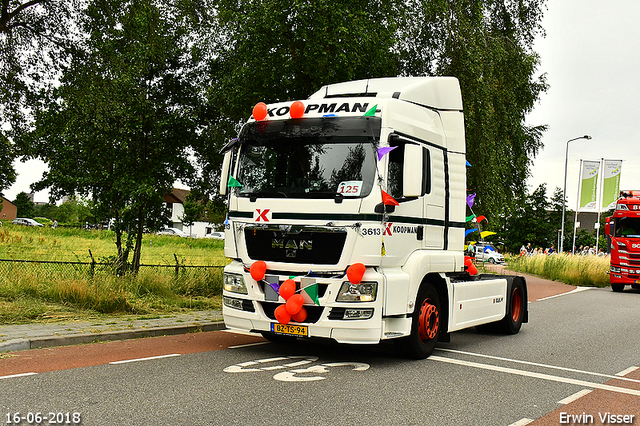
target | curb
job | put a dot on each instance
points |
(75, 339)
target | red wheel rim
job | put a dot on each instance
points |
(516, 305)
(429, 321)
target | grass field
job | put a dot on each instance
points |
(574, 270)
(53, 292)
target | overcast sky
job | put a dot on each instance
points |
(591, 56)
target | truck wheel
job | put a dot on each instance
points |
(492, 260)
(618, 288)
(516, 307)
(425, 325)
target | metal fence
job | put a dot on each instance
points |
(10, 267)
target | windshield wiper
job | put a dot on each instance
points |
(264, 194)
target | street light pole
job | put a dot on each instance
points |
(564, 192)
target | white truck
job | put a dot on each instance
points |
(355, 199)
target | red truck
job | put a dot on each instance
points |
(623, 228)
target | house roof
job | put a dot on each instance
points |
(176, 196)
(4, 200)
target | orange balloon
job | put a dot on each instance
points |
(300, 316)
(355, 273)
(282, 315)
(257, 270)
(296, 110)
(260, 111)
(471, 268)
(287, 289)
(294, 304)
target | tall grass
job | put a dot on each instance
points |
(574, 270)
(44, 292)
(64, 244)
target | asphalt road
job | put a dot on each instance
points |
(565, 360)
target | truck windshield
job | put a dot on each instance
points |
(309, 158)
(628, 227)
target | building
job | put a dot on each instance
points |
(175, 202)
(9, 210)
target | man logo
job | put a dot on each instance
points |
(291, 246)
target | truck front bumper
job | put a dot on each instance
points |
(344, 322)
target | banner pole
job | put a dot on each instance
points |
(575, 218)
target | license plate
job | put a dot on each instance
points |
(290, 330)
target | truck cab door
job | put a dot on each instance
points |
(403, 232)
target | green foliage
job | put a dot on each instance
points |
(488, 46)
(30, 35)
(531, 223)
(25, 207)
(278, 50)
(118, 126)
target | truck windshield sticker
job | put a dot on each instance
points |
(350, 188)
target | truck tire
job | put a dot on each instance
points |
(516, 307)
(425, 325)
(618, 288)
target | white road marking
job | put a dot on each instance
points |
(290, 376)
(576, 290)
(243, 332)
(575, 396)
(17, 375)
(521, 422)
(239, 368)
(627, 371)
(555, 367)
(549, 377)
(249, 344)
(143, 359)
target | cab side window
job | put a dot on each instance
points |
(396, 169)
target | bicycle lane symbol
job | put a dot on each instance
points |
(293, 374)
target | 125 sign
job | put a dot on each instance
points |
(350, 188)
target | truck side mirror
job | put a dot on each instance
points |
(608, 224)
(224, 174)
(412, 171)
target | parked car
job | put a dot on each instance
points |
(26, 222)
(173, 231)
(488, 253)
(215, 235)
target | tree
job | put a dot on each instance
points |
(277, 50)
(488, 46)
(194, 208)
(118, 127)
(31, 32)
(25, 207)
(531, 223)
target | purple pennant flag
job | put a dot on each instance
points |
(385, 150)
(275, 287)
(470, 200)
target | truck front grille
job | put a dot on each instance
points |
(319, 246)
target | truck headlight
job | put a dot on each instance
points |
(234, 283)
(363, 292)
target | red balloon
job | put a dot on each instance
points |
(257, 270)
(294, 304)
(282, 315)
(296, 110)
(471, 268)
(260, 111)
(287, 289)
(355, 273)
(300, 316)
